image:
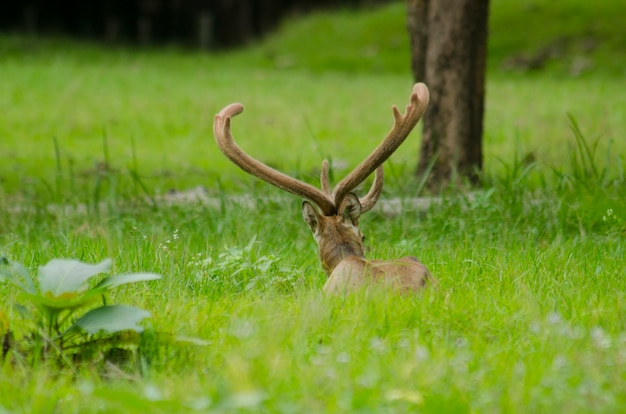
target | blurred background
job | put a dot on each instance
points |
(92, 88)
(209, 24)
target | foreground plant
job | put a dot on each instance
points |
(57, 295)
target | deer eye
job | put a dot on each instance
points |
(362, 237)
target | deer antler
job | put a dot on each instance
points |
(402, 126)
(225, 141)
(326, 200)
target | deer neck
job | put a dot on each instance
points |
(337, 243)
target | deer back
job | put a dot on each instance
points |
(404, 275)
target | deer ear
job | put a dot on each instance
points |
(350, 209)
(310, 216)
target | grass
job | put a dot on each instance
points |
(528, 315)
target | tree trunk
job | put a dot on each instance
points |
(449, 48)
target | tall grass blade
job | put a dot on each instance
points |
(586, 154)
(59, 169)
(139, 183)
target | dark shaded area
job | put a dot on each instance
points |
(198, 23)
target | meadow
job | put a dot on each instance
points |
(529, 313)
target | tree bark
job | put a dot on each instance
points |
(449, 49)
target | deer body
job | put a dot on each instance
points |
(353, 273)
(336, 229)
(342, 255)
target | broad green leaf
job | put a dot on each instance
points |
(18, 275)
(111, 319)
(60, 276)
(67, 300)
(117, 280)
(71, 300)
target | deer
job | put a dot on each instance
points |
(335, 226)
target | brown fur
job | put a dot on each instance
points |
(341, 251)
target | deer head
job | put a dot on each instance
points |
(335, 226)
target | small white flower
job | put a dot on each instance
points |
(600, 338)
(343, 358)
(554, 318)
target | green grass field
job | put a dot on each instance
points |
(529, 314)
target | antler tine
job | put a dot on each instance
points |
(372, 195)
(226, 143)
(370, 199)
(324, 178)
(402, 126)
